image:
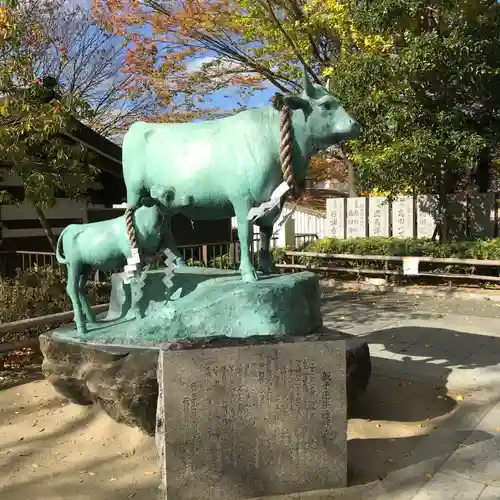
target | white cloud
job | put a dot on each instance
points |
(220, 67)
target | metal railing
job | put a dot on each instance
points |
(225, 255)
(303, 239)
(220, 255)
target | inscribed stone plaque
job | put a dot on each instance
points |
(457, 216)
(335, 217)
(249, 421)
(378, 216)
(356, 217)
(482, 215)
(403, 217)
(427, 212)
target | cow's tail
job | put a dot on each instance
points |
(59, 256)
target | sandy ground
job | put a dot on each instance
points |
(53, 450)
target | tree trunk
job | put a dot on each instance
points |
(46, 227)
(351, 173)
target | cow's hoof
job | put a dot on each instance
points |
(249, 276)
(268, 268)
(81, 329)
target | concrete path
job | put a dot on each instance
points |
(444, 342)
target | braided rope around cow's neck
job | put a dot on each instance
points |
(286, 145)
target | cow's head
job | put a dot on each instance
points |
(326, 121)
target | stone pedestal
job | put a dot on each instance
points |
(242, 421)
(123, 380)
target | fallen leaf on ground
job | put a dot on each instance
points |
(428, 476)
(91, 473)
(149, 473)
(460, 397)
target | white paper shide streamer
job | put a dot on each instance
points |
(170, 265)
(131, 268)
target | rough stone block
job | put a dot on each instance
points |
(252, 421)
(123, 380)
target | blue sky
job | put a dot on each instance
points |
(228, 98)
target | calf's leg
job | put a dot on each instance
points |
(84, 300)
(245, 234)
(73, 290)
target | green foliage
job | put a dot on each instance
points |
(278, 254)
(33, 115)
(476, 249)
(432, 103)
(37, 292)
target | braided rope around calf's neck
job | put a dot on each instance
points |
(129, 225)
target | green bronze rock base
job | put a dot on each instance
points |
(206, 303)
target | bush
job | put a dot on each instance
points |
(486, 249)
(475, 249)
(40, 291)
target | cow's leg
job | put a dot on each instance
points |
(169, 242)
(245, 234)
(72, 288)
(266, 263)
(84, 299)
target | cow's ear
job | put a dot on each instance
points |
(149, 201)
(296, 102)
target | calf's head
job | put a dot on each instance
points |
(326, 122)
(166, 197)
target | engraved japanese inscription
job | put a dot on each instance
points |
(356, 217)
(335, 213)
(378, 216)
(249, 421)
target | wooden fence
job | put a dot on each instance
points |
(468, 215)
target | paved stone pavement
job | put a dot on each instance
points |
(448, 342)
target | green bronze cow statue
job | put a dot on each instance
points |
(230, 165)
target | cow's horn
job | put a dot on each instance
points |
(308, 86)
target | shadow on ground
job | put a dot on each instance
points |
(69, 451)
(415, 371)
(447, 357)
(388, 422)
(52, 450)
(356, 309)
